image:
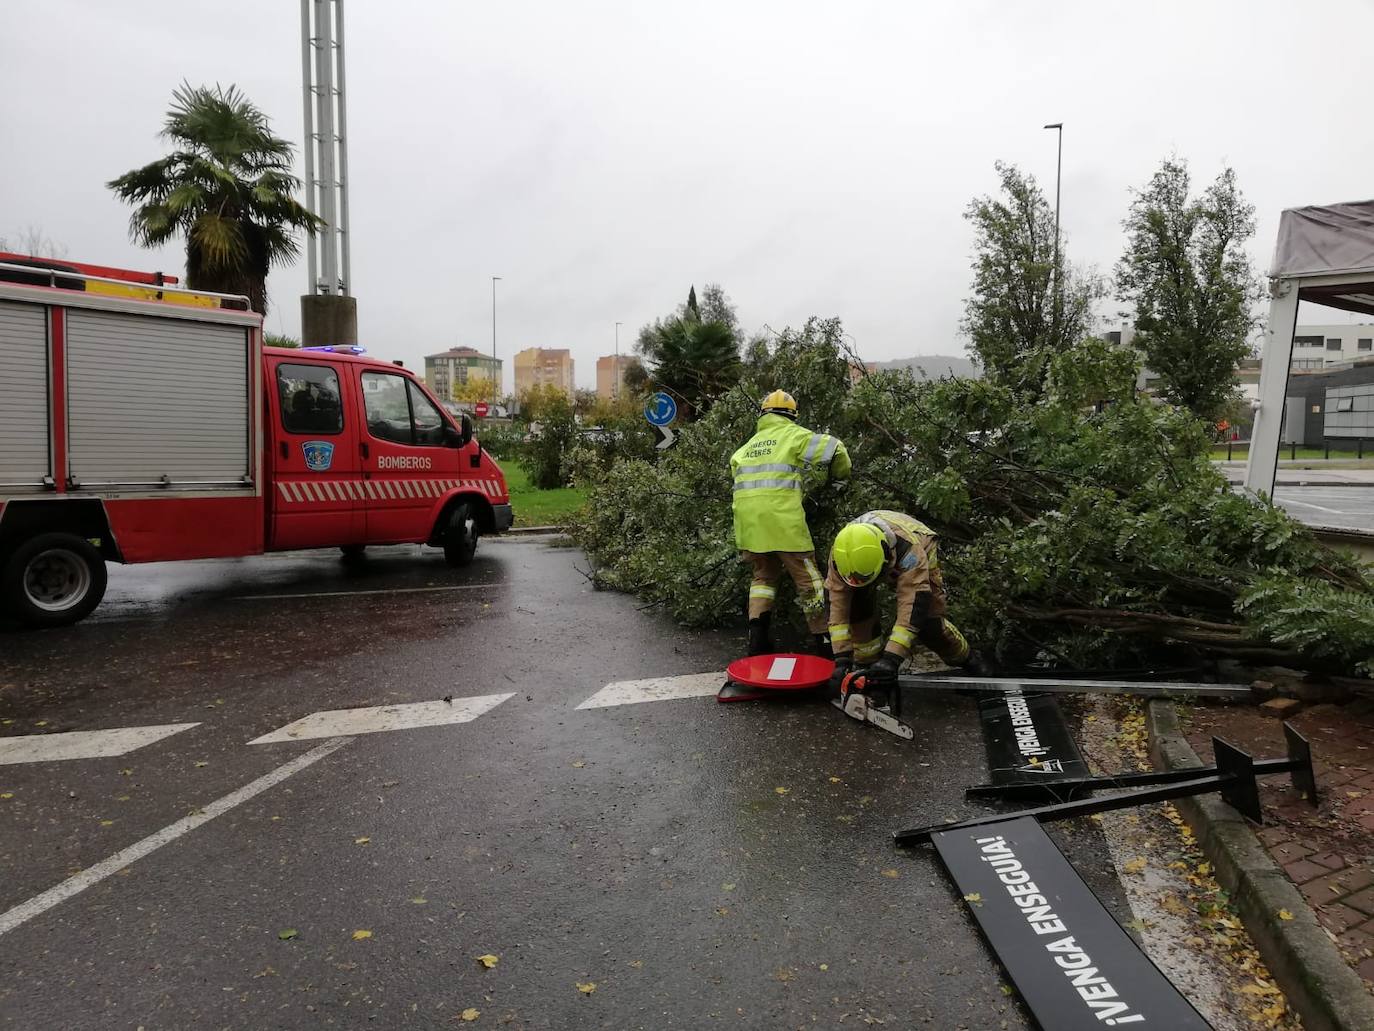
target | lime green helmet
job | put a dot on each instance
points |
(859, 553)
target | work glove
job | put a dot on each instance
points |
(883, 673)
(843, 665)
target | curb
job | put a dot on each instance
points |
(530, 531)
(1320, 985)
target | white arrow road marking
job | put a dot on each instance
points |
(655, 689)
(377, 718)
(77, 883)
(83, 744)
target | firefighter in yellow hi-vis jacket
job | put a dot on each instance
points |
(892, 546)
(770, 527)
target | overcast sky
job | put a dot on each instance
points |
(813, 158)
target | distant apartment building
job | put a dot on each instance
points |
(456, 366)
(535, 366)
(610, 375)
(1316, 347)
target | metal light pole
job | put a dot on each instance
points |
(329, 314)
(1058, 175)
(615, 383)
(495, 369)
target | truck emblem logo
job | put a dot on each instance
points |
(319, 455)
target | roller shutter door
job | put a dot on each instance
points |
(24, 459)
(156, 397)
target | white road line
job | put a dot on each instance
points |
(1308, 504)
(655, 689)
(83, 744)
(377, 718)
(77, 883)
(349, 594)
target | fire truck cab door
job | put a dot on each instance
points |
(406, 463)
(316, 469)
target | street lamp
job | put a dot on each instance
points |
(495, 369)
(1058, 173)
(615, 382)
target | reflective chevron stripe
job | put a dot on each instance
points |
(312, 491)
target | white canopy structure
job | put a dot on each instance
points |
(1324, 255)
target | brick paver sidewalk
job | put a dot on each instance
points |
(1328, 852)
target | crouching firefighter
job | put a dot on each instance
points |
(892, 546)
(770, 471)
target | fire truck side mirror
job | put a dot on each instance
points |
(465, 437)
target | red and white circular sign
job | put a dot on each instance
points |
(784, 672)
(480, 409)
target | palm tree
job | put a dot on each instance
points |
(228, 188)
(697, 361)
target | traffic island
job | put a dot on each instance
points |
(1316, 977)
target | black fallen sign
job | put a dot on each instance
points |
(1028, 740)
(1072, 963)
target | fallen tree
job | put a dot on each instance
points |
(1080, 525)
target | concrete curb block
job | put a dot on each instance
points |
(1327, 994)
(530, 531)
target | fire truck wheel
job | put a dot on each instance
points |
(460, 539)
(353, 552)
(54, 579)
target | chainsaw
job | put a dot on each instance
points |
(855, 703)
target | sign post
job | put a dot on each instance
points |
(661, 411)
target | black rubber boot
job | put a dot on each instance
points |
(760, 640)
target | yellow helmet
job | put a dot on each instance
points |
(780, 402)
(859, 553)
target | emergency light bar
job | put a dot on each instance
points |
(338, 348)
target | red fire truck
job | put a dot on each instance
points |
(139, 423)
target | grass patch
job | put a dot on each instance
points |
(535, 507)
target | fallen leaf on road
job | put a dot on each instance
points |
(1285, 915)
(6, 794)
(288, 934)
(488, 960)
(890, 873)
(107, 823)
(727, 887)
(360, 935)
(825, 966)
(586, 987)
(419, 901)
(579, 764)
(470, 1014)
(636, 963)
(722, 911)
(782, 791)
(835, 780)
(784, 974)
(1134, 866)
(202, 762)
(361, 841)
(973, 896)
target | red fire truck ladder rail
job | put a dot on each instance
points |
(55, 271)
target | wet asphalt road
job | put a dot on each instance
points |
(650, 849)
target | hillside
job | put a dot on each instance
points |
(931, 366)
